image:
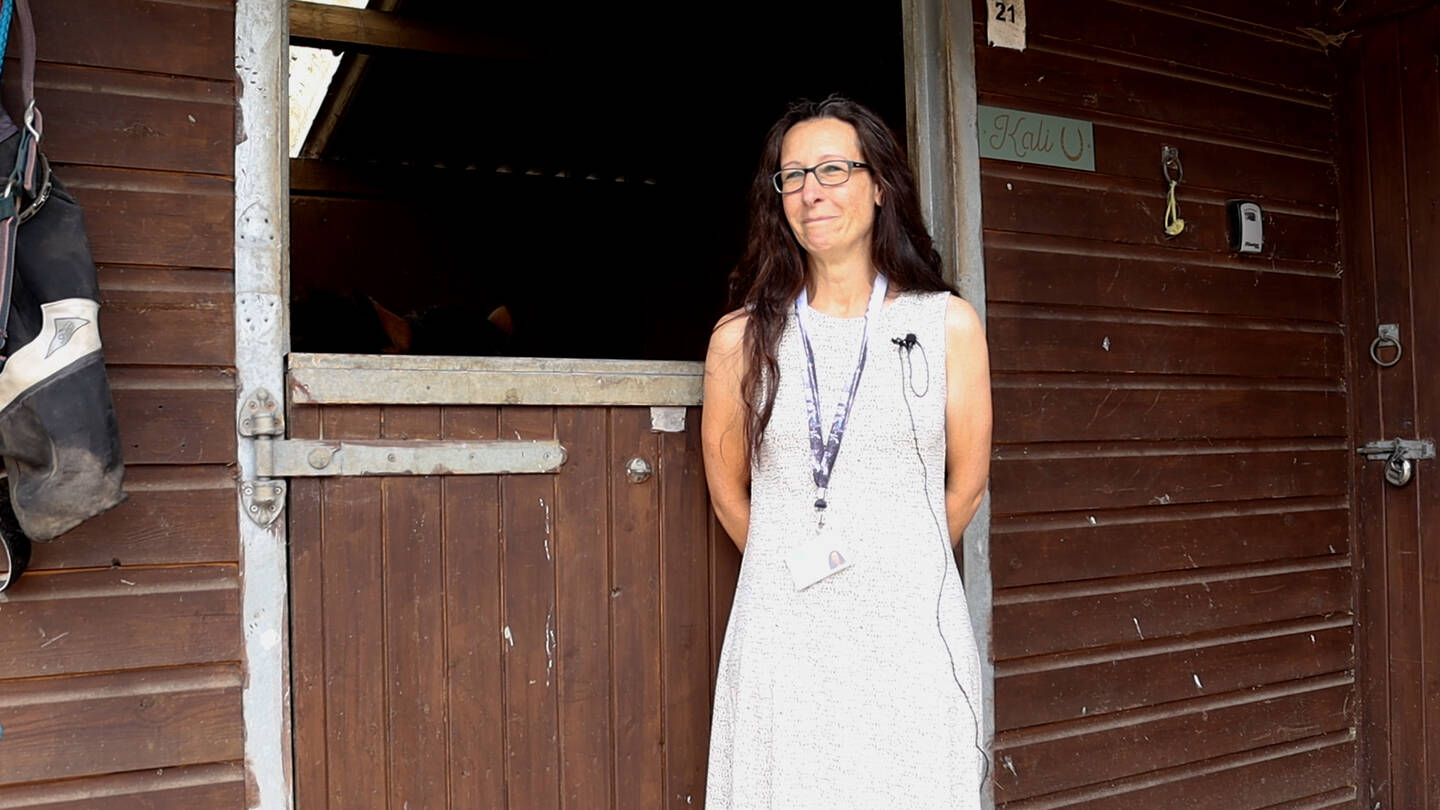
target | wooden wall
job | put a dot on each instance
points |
(120, 675)
(1173, 612)
(1390, 139)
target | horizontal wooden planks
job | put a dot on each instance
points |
(1176, 734)
(1051, 270)
(139, 608)
(155, 218)
(216, 785)
(1125, 149)
(1132, 212)
(1250, 779)
(1159, 96)
(1112, 479)
(1154, 672)
(172, 515)
(1036, 549)
(147, 318)
(1042, 408)
(1109, 342)
(1171, 466)
(1274, 19)
(67, 623)
(1053, 619)
(120, 722)
(175, 415)
(135, 120)
(191, 38)
(1159, 39)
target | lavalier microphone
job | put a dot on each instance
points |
(907, 342)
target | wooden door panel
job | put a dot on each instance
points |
(524, 641)
(471, 525)
(685, 513)
(1389, 124)
(582, 521)
(527, 588)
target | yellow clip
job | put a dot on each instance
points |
(1174, 225)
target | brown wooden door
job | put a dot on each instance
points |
(521, 641)
(1390, 142)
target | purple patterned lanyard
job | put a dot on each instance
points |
(824, 450)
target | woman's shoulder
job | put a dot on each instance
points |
(728, 335)
(961, 319)
(932, 303)
(964, 332)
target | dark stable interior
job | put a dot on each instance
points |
(590, 175)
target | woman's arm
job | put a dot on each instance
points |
(967, 415)
(722, 427)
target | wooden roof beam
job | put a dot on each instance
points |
(350, 29)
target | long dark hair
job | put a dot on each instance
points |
(771, 272)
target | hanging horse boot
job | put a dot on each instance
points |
(58, 432)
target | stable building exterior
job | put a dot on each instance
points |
(382, 581)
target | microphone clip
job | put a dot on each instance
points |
(907, 343)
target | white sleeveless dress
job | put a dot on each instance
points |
(841, 696)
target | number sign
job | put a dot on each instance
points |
(1006, 23)
(1027, 137)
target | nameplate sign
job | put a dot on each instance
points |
(1027, 137)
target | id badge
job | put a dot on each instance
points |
(817, 559)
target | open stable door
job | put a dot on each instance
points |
(542, 637)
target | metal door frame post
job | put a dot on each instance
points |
(941, 122)
(262, 286)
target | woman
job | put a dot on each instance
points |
(847, 404)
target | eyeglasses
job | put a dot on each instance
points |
(829, 173)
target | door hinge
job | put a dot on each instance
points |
(263, 500)
(262, 419)
(1412, 449)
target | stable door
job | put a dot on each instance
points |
(467, 638)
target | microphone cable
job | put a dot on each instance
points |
(904, 348)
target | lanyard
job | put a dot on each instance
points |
(823, 449)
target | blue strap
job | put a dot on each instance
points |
(6, 12)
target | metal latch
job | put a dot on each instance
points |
(294, 458)
(1399, 456)
(277, 458)
(1414, 449)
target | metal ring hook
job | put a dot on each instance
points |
(1389, 335)
(1170, 164)
(1380, 343)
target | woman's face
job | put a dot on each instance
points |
(829, 221)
